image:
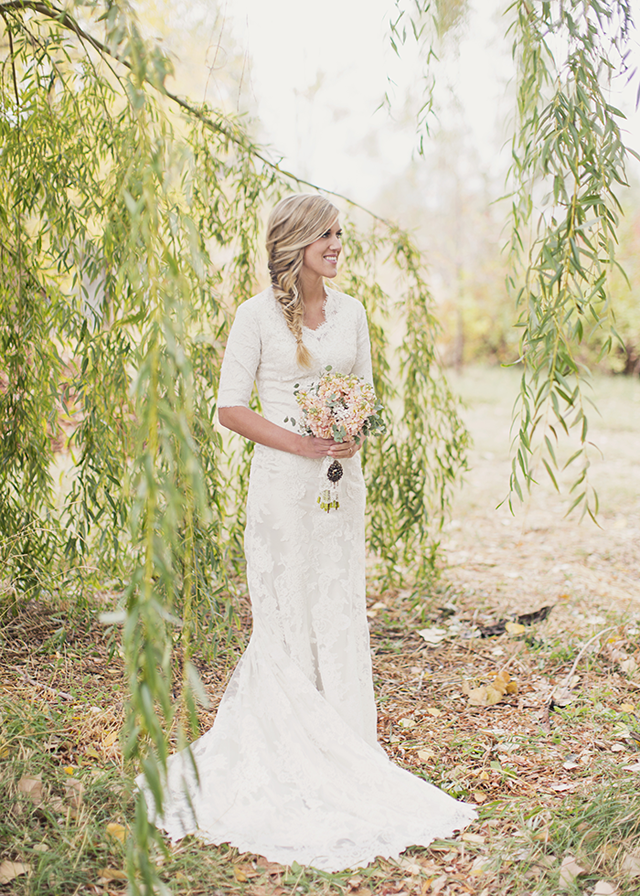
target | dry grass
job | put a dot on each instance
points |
(553, 782)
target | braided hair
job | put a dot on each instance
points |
(295, 222)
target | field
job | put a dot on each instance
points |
(531, 713)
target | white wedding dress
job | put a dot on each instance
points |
(291, 768)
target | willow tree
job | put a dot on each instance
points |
(130, 226)
(565, 182)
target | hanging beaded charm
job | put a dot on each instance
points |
(328, 497)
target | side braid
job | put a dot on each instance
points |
(295, 223)
(287, 294)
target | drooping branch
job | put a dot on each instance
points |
(65, 20)
(568, 163)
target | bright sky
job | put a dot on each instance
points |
(319, 72)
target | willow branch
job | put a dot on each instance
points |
(67, 21)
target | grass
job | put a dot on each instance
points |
(534, 811)
(551, 785)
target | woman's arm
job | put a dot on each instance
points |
(254, 427)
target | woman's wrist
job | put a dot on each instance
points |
(297, 446)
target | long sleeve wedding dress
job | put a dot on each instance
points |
(291, 768)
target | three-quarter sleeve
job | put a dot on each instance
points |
(362, 365)
(241, 359)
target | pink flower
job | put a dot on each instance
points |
(343, 402)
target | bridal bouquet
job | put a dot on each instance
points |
(341, 408)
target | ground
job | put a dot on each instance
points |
(539, 725)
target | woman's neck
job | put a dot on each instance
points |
(313, 291)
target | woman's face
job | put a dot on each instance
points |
(321, 256)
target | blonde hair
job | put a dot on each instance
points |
(295, 222)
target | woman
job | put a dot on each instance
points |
(291, 768)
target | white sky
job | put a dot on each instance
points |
(319, 72)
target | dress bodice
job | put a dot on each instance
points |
(262, 349)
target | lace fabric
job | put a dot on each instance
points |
(291, 768)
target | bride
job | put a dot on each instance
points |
(291, 768)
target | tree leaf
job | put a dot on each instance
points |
(10, 870)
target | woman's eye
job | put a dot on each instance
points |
(339, 234)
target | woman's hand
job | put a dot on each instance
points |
(311, 446)
(341, 450)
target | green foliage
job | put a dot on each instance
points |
(624, 356)
(130, 225)
(428, 24)
(424, 450)
(568, 167)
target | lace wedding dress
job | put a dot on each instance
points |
(291, 768)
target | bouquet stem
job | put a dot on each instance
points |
(330, 477)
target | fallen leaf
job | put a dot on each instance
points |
(244, 872)
(569, 870)
(270, 867)
(604, 888)
(542, 835)
(11, 870)
(631, 864)
(40, 847)
(562, 696)
(31, 787)
(110, 739)
(627, 707)
(434, 711)
(409, 865)
(472, 838)
(490, 694)
(479, 797)
(628, 666)
(117, 831)
(484, 696)
(480, 866)
(108, 874)
(537, 615)
(407, 723)
(438, 884)
(425, 755)
(69, 770)
(498, 628)
(433, 635)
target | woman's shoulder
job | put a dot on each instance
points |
(256, 307)
(257, 302)
(344, 302)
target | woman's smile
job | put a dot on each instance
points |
(321, 256)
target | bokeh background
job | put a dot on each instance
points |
(322, 87)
